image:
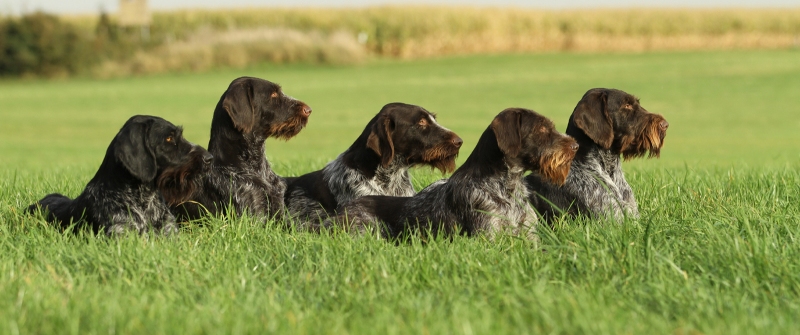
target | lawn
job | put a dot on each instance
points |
(715, 250)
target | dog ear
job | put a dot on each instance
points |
(591, 116)
(506, 127)
(238, 103)
(380, 139)
(132, 150)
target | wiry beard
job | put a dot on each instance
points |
(179, 183)
(555, 165)
(650, 139)
(441, 157)
(288, 128)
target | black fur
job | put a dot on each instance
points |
(123, 195)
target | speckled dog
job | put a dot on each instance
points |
(398, 137)
(606, 123)
(250, 111)
(123, 196)
(486, 195)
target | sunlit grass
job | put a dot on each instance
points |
(715, 251)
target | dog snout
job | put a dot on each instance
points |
(663, 124)
(207, 158)
(457, 142)
(305, 110)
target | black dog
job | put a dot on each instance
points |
(606, 123)
(123, 196)
(250, 111)
(486, 195)
(399, 137)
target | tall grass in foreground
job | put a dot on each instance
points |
(715, 251)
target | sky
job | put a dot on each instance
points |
(15, 7)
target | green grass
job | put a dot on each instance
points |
(715, 251)
(723, 107)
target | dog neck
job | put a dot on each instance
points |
(508, 176)
(122, 177)
(232, 148)
(396, 171)
(590, 152)
(361, 158)
(487, 165)
(489, 182)
(347, 182)
(488, 161)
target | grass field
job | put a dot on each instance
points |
(715, 250)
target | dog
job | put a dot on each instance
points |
(398, 137)
(485, 196)
(250, 111)
(607, 123)
(123, 196)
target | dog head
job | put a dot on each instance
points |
(259, 108)
(531, 141)
(411, 132)
(153, 150)
(615, 121)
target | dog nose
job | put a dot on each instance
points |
(664, 125)
(574, 146)
(306, 110)
(457, 141)
(207, 158)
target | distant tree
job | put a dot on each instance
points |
(40, 44)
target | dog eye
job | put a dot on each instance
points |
(543, 129)
(274, 95)
(423, 122)
(628, 106)
(170, 139)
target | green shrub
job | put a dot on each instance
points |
(40, 44)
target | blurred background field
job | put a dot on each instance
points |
(725, 107)
(425, 31)
(199, 40)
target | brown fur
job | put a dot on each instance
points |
(506, 127)
(555, 164)
(591, 116)
(380, 140)
(179, 183)
(289, 129)
(650, 139)
(441, 157)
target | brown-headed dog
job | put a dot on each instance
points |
(399, 137)
(250, 111)
(607, 123)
